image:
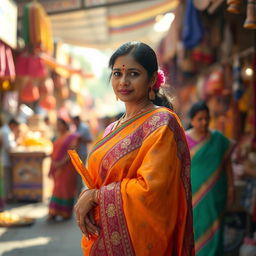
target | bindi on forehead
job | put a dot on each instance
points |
(123, 67)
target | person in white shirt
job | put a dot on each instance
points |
(9, 134)
(85, 138)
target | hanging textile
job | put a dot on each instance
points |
(30, 65)
(7, 69)
(36, 27)
(192, 33)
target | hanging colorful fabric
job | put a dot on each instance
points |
(25, 23)
(37, 27)
(192, 33)
(29, 92)
(7, 69)
(215, 83)
(203, 53)
(30, 65)
(48, 102)
(36, 67)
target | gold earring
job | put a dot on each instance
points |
(152, 94)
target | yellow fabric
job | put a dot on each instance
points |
(154, 182)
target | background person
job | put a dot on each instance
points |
(82, 149)
(63, 174)
(211, 179)
(9, 140)
(141, 170)
(85, 137)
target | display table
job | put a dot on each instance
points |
(30, 180)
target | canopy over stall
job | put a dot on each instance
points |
(105, 23)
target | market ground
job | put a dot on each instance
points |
(41, 238)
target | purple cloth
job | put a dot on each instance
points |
(64, 150)
(191, 142)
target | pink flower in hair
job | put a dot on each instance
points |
(160, 79)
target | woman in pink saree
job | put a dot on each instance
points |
(63, 173)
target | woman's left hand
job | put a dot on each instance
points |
(84, 210)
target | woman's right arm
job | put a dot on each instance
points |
(85, 204)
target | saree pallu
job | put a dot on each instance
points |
(64, 178)
(142, 171)
(209, 192)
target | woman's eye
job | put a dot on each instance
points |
(134, 73)
(116, 73)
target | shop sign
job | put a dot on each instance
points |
(8, 21)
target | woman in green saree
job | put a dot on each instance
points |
(211, 179)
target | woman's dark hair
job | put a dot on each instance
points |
(197, 107)
(146, 57)
(63, 122)
(13, 121)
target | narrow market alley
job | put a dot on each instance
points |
(41, 238)
(132, 120)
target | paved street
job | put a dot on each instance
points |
(42, 238)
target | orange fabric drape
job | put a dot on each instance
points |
(142, 170)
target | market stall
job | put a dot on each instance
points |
(209, 54)
(30, 175)
(31, 162)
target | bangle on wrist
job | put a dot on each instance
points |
(96, 196)
(81, 193)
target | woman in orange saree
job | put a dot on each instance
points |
(140, 170)
(63, 173)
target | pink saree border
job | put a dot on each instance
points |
(132, 141)
(114, 239)
(184, 156)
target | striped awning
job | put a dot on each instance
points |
(111, 26)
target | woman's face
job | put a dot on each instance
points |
(130, 80)
(200, 121)
(61, 127)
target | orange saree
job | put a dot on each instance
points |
(142, 169)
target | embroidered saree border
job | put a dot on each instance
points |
(117, 130)
(114, 239)
(184, 157)
(132, 142)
